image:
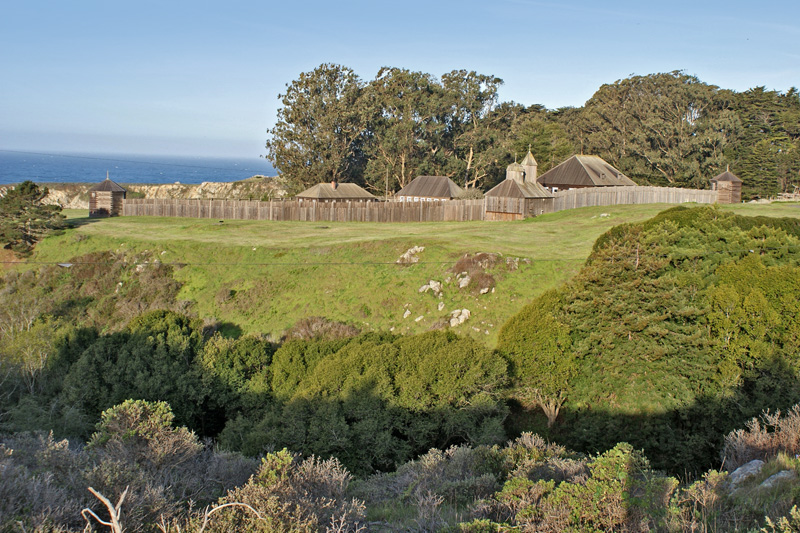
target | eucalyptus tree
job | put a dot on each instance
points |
(473, 129)
(406, 127)
(548, 140)
(320, 127)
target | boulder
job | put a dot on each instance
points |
(432, 285)
(774, 479)
(410, 255)
(458, 317)
(744, 472)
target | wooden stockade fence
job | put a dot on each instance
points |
(598, 196)
(439, 211)
(503, 208)
(444, 211)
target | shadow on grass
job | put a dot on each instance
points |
(78, 222)
(685, 442)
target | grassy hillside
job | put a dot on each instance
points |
(262, 277)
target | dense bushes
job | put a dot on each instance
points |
(373, 401)
(676, 331)
(376, 401)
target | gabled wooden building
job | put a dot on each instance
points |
(336, 192)
(105, 199)
(728, 187)
(428, 189)
(580, 171)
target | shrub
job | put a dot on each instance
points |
(614, 491)
(154, 360)
(291, 495)
(141, 433)
(764, 438)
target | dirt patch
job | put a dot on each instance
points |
(471, 264)
(7, 257)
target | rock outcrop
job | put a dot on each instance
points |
(76, 195)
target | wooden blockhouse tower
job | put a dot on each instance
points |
(728, 187)
(105, 199)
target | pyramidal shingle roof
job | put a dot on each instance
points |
(727, 176)
(529, 160)
(107, 186)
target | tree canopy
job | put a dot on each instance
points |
(669, 129)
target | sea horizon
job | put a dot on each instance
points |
(46, 167)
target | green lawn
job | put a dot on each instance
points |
(264, 276)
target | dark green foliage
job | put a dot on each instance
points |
(154, 359)
(295, 360)
(243, 368)
(24, 219)
(765, 152)
(538, 345)
(319, 129)
(676, 331)
(375, 401)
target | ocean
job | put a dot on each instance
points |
(18, 166)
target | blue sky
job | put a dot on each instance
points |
(203, 78)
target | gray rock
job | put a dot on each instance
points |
(458, 317)
(420, 317)
(746, 471)
(774, 479)
(441, 306)
(410, 256)
(464, 282)
(407, 313)
(432, 285)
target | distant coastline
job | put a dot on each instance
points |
(45, 168)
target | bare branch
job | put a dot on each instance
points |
(113, 511)
(208, 512)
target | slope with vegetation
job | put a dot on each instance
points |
(678, 329)
(263, 277)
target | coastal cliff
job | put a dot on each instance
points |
(76, 195)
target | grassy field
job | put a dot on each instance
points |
(262, 277)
